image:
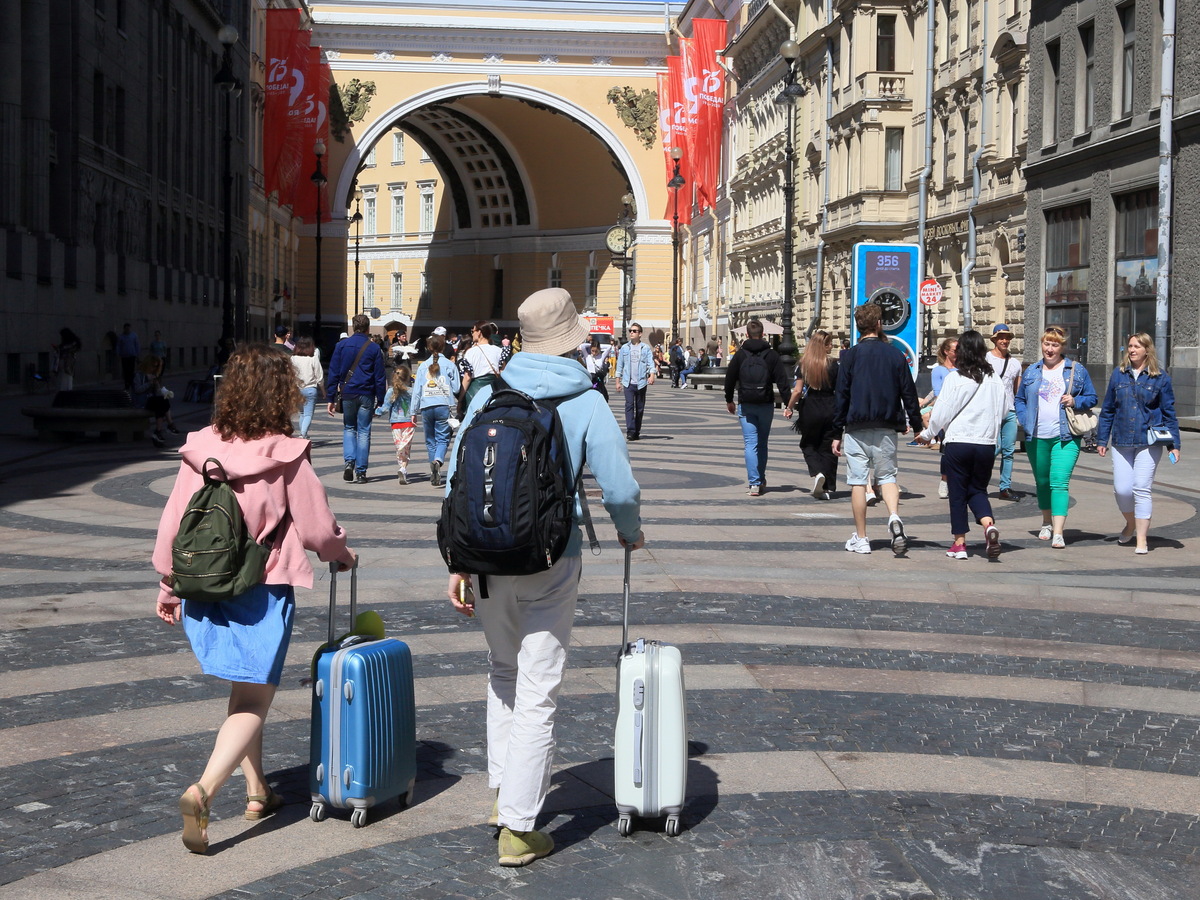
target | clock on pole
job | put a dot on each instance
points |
(618, 240)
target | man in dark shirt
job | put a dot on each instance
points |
(356, 370)
(875, 397)
(753, 370)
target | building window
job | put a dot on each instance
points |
(369, 213)
(893, 146)
(591, 286)
(398, 212)
(965, 127)
(368, 289)
(1135, 275)
(885, 44)
(945, 139)
(1087, 80)
(1050, 126)
(554, 278)
(426, 207)
(1068, 252)
(397, 148)
(370, 160)
(397, 295)
(1127, 35)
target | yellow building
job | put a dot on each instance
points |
(489, 162)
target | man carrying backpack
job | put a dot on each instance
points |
(753, 369)
(527, 618)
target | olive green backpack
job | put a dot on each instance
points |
(213, 557)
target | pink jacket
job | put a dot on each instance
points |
(276, 486)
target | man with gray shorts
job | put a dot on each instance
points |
(875, 398)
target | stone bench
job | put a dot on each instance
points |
(709, 376)
(73, 414)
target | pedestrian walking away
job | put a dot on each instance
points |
(970, 408)
(1138, 416)
(527, 618)
(312, 378)
(635, 372)
(356, 381)
(752, 371)
(677, 359)
(812, 403)
(875, 396)
(1048, 389)
(397, 406)
(1008, 370)
(129, 349)
(244, 639)
(435, 396)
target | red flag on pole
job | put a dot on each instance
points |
(708, 40)
(286, 46)
(680, 135)
(310, 122)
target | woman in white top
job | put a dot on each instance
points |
(970, 407)
(312, 380)
(482, 362)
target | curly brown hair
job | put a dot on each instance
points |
(258, 394)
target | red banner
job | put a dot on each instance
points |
(308, 121)
(708, 40)
(286, 49)
(681, 134)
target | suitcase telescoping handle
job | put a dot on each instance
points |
(333, 573)
(625, 613)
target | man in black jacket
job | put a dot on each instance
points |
(753, 369)
(875, 398)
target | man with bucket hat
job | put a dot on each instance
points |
(527, 618)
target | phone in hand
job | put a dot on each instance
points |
(466, 596)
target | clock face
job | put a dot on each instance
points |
(617, 239)
(894, 307)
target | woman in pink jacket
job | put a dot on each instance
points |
(245, 639)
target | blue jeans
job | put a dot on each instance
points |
(1006, 448)
(306, 412)
(755, 419)
(357, 412)
(437, 431)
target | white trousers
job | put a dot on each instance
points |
(527, 621)
(1133, 476)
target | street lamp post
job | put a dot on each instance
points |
(626, 220)
(232, 326)
(677, 181)
(789, 50)
(318, 180)
(356, 220)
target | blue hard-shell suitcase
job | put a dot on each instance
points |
(363, 745)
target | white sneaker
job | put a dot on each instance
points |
(858, 544)
(871, 498)
(943, 490)
(818, 487)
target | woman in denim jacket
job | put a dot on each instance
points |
(1139, 397)
(1047, 389)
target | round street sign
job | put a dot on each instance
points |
(930, 292)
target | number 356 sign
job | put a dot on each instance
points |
(887, 274)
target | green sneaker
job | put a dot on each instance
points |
(520, 848)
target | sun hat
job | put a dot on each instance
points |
(441, 329)
(550, 324)
(1001, 331)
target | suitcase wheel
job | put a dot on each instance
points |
(673, 826)
(317, 813)
(625, 825)
(358, 818)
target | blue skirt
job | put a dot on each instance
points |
(246, 638)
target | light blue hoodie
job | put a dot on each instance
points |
(591, 430)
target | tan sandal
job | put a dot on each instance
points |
(270, 801)
(195, 818)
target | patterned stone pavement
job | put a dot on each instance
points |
(860, 726)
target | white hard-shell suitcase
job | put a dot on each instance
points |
(650, 748)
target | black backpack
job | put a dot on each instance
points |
(754, 378)
(511, 502)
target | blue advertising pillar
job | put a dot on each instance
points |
(888, 274)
